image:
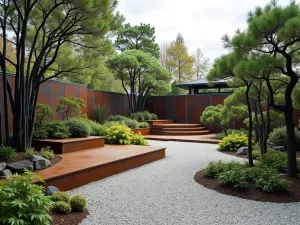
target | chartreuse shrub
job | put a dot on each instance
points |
(58, 129)
(78, 128)
(60, 196)
(62, 207)
(47, 153)
(119, 134)
(78, 203)
(22, 202)
(7, 153)
(138, 139)
(233, 142)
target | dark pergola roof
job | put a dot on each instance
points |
(203, 84)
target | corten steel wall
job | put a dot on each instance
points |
(51, 91)
(184, 108)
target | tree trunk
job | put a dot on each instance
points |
(250, 158)
(1, 135)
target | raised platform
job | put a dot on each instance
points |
(209, 138)
(79, 168)
(143, 131)
(62, 146)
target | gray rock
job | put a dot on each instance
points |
(242, 151)
(20, 166)
(279, 148)
(2, 166)
(5, 173)
(51, 190)
(39, 162)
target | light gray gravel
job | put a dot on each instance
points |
(164, 192)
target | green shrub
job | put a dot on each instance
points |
(254, 173)
(95, 128)
(7, 153)
(278, 137)
(78, 128)
(60, 196)
(138, 116)
(269, 181)
(30, 152)
(112, 123)
(133, 124)
(233, 142)
(153, 116)
(58, 129)
(117, 118)
(275, 160)
(69, 106)
(100, 113)
(41, 132)
(62, 207)
(215, 168)
(119, 134)
(47, 153)
(143, 124)
(23, 202)
(138, 139)
(44, 113)
(78, 203)
(236, 176)
(256, 152)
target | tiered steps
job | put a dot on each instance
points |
(179, 129)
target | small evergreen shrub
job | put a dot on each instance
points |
(78, 128)
(117, 118)
(138, 116)
(60, 197)
(30, 152)
(47, 153)
(23, 202)
(119, 134)
(62, 207)
(78, 203)
(254, 173)
(278, 137)
(58, 129)
(143, 124)
(138, 139)
(133, 124)
(233, 142)
(95, 128)
(236, 176)
(275, 160)
(41, 132)
(269, 181)
(215, 168)
(7, 153)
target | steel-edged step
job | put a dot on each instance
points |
(186, 133)
(176, 125)
(185, 129)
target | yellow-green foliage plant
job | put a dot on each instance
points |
(119, 134)
(138, 139)
(233, 142)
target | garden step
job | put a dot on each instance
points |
(176, 125)
(185, 129)
(186, 133)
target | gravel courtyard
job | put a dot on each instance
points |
(164, 192)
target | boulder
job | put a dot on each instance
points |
(20, 166)
(279, 148)
(5, 173)
(2, 166)
(242, 151)
(51, 190)
(39, 162)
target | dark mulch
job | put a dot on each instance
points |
(246, 156)
(22, 156)
(73, 218)
(251, 192)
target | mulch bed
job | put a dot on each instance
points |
(233, 153)
(73, 218)
(251, 192)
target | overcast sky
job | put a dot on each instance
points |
(201, 22)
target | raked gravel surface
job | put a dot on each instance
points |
(164, 192)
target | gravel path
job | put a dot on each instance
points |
(164, 192)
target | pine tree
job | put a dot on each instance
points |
(180, 62)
